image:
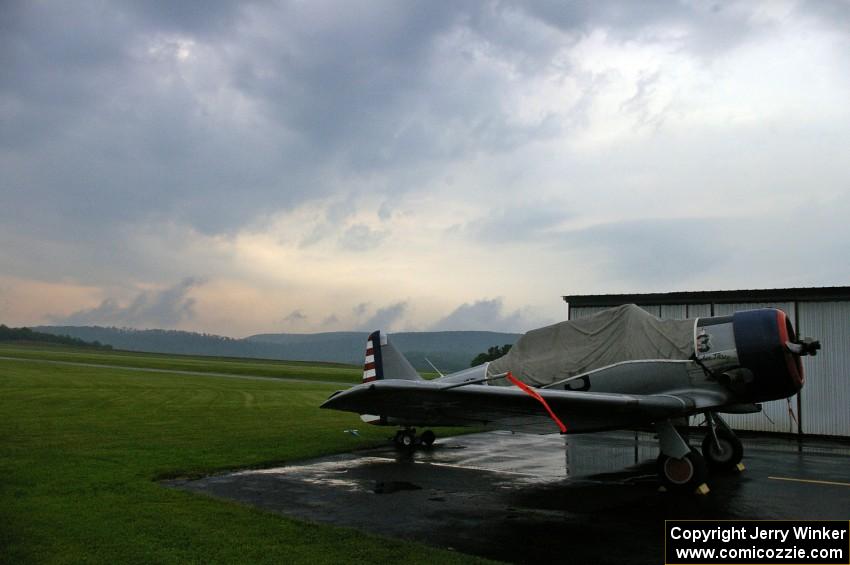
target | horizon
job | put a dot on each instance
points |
(364, 332)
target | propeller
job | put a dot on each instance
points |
(805, 346)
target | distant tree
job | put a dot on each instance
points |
(27, 335)
(492, 354)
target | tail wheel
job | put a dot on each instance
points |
(685, 474)
(428, 438)
(408, 439)
(724, 453)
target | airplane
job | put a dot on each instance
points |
(619, 369)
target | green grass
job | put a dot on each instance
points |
(202, 364)
(81, 449)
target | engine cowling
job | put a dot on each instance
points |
(762, 339)
(756, 353)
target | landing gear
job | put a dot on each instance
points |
(721, 447)
(428, 438)
(407, 438)
(680, 468)
(684, 469)
(684, 474)
(724, 452)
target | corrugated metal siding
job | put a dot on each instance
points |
(699, 311)
(826, 394)
(654, 310)
(664, 311)
(673, 312)
(585, 311)
(774, 416)
(728, 309)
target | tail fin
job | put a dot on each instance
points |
(384, 361)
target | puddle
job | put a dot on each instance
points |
(389, 487)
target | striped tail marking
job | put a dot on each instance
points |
(373, 367)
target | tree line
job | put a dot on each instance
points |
(28, 335)
(492, 354)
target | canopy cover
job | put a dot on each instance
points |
(624, 333)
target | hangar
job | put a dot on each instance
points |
(823, 405)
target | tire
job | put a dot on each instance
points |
(398, 440)
(728, 455)
(408, 439)
(682, 475)
(428, 438)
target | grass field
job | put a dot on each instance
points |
(201, 364)
(81, 449)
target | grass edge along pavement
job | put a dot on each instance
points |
(81, 447)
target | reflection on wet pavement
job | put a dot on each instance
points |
(526, 498)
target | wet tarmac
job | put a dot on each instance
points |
(523, 498)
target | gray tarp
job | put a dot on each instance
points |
(625, 333)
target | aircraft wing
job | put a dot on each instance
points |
(423, 403)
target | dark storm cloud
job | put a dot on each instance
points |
(210, 17)
(294, 317)
(150, 309)
(105, 123)
(90, 141)
(655, 253)
(710, 27)
(522, 222)
(361, 237)
(835, 14)
(331, 320)
(339, 72)
(217, 114)
(652, 253)
(386, 317)
(481, 315)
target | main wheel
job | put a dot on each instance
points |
(428, 438)
(724, 453)
(685, 474)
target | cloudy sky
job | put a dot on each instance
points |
(313, 166)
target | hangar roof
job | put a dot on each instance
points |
(812, 294)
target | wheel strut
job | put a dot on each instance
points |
(721, 447)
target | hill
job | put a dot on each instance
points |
(449, 351)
